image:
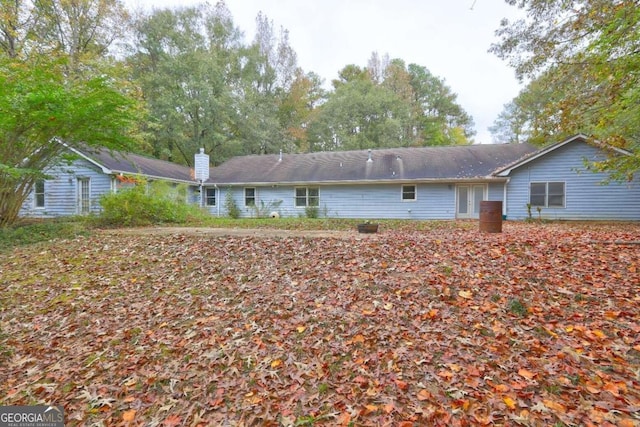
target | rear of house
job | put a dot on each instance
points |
(555, 183)
(401, 183)
(76, 187)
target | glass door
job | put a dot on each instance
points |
(468, 200)
(84, 199)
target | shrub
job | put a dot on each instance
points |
(312, 211)
(141, 205)
(231, 206)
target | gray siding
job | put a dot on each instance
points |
(586, 197)
(61, 190)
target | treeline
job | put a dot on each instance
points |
(205, 87)
(198, 83)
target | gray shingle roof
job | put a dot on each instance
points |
(128, 163)
(393, 164)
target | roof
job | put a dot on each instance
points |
(116, 162)
(465, 162)
(508, 168)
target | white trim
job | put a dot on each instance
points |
(415, 193)
(546, 194)
(255, 196)
(470, 199)
(504, 172)
(215, 196)
(306, 196)
(87, 158)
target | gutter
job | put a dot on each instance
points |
(369, 181)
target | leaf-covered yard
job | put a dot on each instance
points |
(539, 325)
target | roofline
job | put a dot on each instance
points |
(361, 182)
(537, 154)
(87, 158)
(162, 178)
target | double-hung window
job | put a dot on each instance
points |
(408, 193)
(307, 196)
(38, 193)
(210, 197)
(547, 194)
(249, 196)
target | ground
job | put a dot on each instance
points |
(538, 325)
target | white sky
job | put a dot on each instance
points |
(448, 37)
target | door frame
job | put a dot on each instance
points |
(472, 205)
(83, 204)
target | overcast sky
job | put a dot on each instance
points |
(449, 37)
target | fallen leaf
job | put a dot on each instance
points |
(128, 416)
(275, 363)
(511, 404)
(424, 395)
(465, 294)
(526, 373)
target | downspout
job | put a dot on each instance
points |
(218, 198)
(505, 198)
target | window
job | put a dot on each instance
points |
(210, 197)
(307, 196)
(249, 196)
(408, 192)
(39, 193)
(547, 194)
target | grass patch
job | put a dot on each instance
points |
(31, 232)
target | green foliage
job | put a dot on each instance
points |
(233, 211)
(27, 233)
(263, 210)
(312, 211)
(389, 105)
(142, 205)
(581, 58)
(517, 307)
(37, 106)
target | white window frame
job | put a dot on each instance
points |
(415, 192)
(547, 195)
(307, 197)
(254, 197)
(208, 197)
(37, 194)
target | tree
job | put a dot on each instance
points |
(186, 62)
(205, 88)
(587, 54)
(39, 108)
(359, 114)
(56, 84)
(440, 120)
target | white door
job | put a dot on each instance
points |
(469, 198)
(84, 196)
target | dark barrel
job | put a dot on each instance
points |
(491, 216)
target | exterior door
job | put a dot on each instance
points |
(469, 198)
(84, 199)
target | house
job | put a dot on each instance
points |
(413, 183)
(556, 183)
(75, 188)
(405, 183)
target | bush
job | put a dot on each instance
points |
(160, 203)
(312, 211)
(231, 206)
